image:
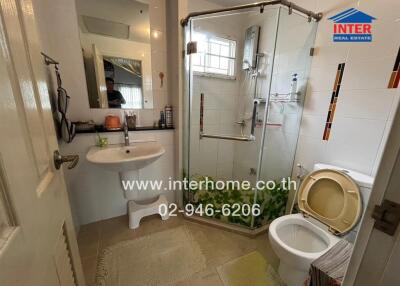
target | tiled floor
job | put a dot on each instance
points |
(218, 246)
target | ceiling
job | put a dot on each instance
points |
(124, 19)
(228, 3)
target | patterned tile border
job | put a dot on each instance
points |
(395, 76)
(201, 112)
(334, 99)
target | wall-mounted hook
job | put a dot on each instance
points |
(161, 76)
(48, 60)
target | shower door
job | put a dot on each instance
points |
(226, 111)
(294, 40)
(231, 61)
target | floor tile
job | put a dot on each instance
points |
(218, 246)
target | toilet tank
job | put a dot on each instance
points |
(363, 181)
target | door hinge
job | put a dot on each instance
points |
(312, 51)
(387, 217)
(191, 48)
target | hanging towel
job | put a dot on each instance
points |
(67, 128)
(330, 268)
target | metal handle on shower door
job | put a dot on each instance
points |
(256, 102)
(228, 137)
(60, 159)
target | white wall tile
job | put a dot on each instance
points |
(157, 14)
(317, 103)
(310, 151)
(382, 146)
(395, 105)
(385, 41)
(329, 54)
(313, 126)
(226, 151)
(366, 103)
(357, 131)
(367, 74)
(224, 171)
(322, 78)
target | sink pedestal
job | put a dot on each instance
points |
(128, 161)
(137, 210)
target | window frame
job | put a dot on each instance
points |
(126, 105)
(232, 58)
(141, 87)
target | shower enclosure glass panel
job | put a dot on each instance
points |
(292, 62)
(227, 106)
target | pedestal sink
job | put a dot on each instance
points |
(122, 158)
(127, 160)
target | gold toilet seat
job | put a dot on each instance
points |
(331, 197)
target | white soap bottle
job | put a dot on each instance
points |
(293, 87)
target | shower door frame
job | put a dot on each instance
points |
(188, 107)
(187, 25)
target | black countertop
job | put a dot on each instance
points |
(101, 128)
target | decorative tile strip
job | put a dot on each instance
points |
(395, 76)
(201, 112)
(334, 98)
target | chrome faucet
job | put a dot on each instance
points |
(126, 133)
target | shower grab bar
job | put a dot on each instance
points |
(256, 102)
(249, 138)
(228, 137)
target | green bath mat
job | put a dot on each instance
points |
(251, 269)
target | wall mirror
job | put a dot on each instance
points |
(115, 39)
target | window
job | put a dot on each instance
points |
(127, 75)
(132, 95)
(215, 56)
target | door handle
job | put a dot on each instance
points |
(60, 159)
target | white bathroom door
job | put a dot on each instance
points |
(376, 256)
(38, 244)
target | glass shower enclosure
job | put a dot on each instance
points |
(247, 75)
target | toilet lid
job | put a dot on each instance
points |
(331, 197)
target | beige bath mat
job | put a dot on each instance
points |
(251, 269)
(162, 258)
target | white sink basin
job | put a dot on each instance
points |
(122, 158)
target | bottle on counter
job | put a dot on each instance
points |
(161, 123)
(168, 116)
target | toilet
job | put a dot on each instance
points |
(330, 200)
